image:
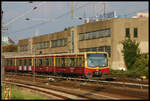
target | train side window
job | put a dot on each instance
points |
(69, 62)
(40, 62)
(60, 62)
(20, 61)
(7, 62)
(72, 63)
(10, 62)
(57, 61)
(16, 62)
(66, 62)
(83, 61)
(35, 62)
(47, 61)
(30, 62)
(63, 62)
(13, 62)
(80, 61)
(50, 61)
(75, 60)
(25, 62)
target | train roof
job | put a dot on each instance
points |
(45, 55)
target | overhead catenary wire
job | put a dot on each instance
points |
(5, 25)
(46, 21)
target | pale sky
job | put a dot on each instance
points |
(22, 29)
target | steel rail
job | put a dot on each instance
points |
(99, 81)
(56, 93)
(65, 93)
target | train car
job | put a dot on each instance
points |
(85, 64)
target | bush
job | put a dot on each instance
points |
(130, 52)
(10, 48)
(139, 68)
(141, 65)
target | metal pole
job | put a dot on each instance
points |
(72, 11)
(34, 65)
(104, 10)
(2, 56)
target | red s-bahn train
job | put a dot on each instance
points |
(85, 64)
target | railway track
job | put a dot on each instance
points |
(62, 93)
(70, 92)
(111, 80)
(79, 89)
(48, 91)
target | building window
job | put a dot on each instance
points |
(81, 37)
(127, 32)
(98, 49)
(95, 34)
(135, 32)
(107, 32)
(42, 45)
(59, 43)
(24, 48)
(101, 33)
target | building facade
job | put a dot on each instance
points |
(103, 35)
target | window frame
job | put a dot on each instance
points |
(135, 32)
(127, 32)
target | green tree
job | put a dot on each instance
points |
(10, 48)
(130, 52)
(142, 64)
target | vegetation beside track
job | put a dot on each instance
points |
(139, 68)
(17, 94)
(136, 62)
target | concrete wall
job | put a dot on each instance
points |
(117, 27)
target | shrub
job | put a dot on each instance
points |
(10, 48)
(139, 68)
(130, 52)
(141, 65)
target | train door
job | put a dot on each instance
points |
(62, 64)
(29, 65)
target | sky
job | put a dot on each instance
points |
(51, 17)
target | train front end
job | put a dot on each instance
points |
(96, 64)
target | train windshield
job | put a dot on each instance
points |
(97, 60)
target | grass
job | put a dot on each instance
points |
(129, 73)
(18, 94)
